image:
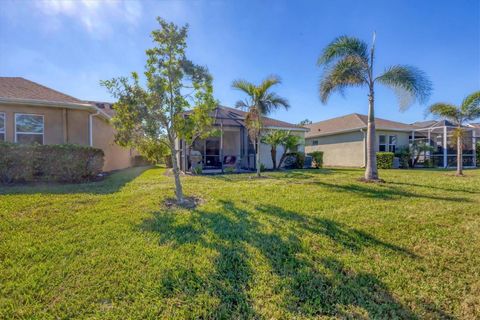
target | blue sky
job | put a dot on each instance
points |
(71, 46)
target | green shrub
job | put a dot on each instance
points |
(478, 153)
(405, 157)
(428, 163)
(197, 170)
(295, 160)
(229, 169)
(262, 167)
(385, 160)
(61, 163)
(317, 157)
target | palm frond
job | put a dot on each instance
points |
(446, 110)
(245, 86)
(342, 47)
(409, 83)
(241, 105)
(471, 106)
(271, 101)
(267, 83)
(350, 71)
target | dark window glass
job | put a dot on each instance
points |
(382, 148)
(29, 138)
(315, 142)
(2, 122)
(2, 126)
(383, 139)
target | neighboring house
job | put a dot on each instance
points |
(232, 147)
(343, 140)
(30, 112)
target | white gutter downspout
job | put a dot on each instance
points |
(90, 127)
(364, 148)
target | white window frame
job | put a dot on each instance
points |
(4, 129)
(387, 144)
(32, 133)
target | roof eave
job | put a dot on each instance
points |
(54, 104)
(358, 129)
(287, 128)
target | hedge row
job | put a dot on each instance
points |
(385, 160)
(61, 163)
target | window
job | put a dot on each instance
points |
(315, 143)
(2, 126)
(29, 128)
(387, 143)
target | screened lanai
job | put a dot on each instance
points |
(230, 146)
(440, 135)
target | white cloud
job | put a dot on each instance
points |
(95, 16)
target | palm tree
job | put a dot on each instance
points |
(260, 101)
(469, 110)
(348, 62)
(274, 138)
(289, 144)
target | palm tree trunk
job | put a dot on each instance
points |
(273, 152)
(371, 171)
(176, 174)
(258, 157)
(459, 154)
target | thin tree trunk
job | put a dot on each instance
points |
(459, 154)
(176, 174)
(258, 156)
(273, 152)
(371, 171)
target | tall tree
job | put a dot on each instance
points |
(260, 101)
(469, 110)
(347, 62)
(155, 113)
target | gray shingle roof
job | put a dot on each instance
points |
(20, 88)
(352, 122)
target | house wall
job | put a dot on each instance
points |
(63, 125)
(60, 125)
(348, 149)
(116, 157)
(343, 149)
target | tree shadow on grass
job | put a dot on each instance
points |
(322, 287)
(385, 192)
(111, 184)
(426, 186)
(349, 238)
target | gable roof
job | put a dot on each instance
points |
(20, 88)
(235, 117)
(352, 122)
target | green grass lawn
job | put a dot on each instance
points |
(303, 244)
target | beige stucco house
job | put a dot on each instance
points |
(30, 112)
(343, 139)
(232, 147)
